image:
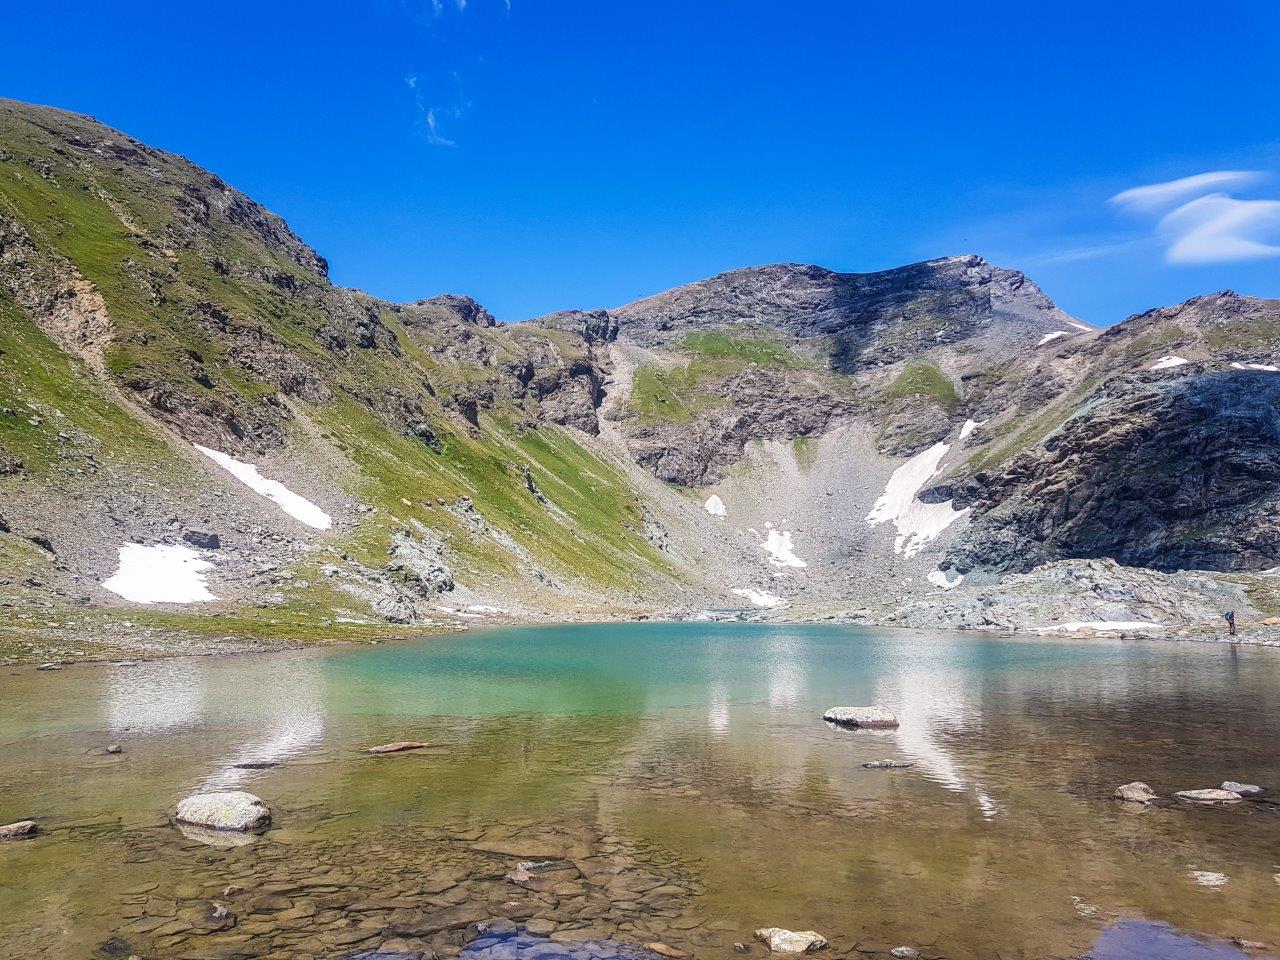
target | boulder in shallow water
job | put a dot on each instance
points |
(1208, 796)
(872, 718)
(400, 746)
(789, 941)
(1136, 792)
(225, 810)
(1244, 789)
(19, 830)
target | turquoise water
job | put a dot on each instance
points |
(700, 745)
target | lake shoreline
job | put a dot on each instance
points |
(63, 651)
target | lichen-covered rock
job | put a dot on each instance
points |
(225, 810)
(872, 717)
(779, 940)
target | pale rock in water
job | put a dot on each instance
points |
(226, 810)
(789, 941)
(1136, 792)
(1244, 789)
(19, 830)
(873, 718)
(1208, 796)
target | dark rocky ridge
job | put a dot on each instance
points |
(1165, 470)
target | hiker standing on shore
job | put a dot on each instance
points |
(1230, 617)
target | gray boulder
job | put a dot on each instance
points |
(1136, 792)
(1208, 796)
(1244, 789)
(225, 810)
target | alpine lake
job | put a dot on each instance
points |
(664, 784)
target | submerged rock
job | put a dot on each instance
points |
(19, 830)
(227, 810)
(400, 746)
(789, 941)
(872, 718)
(1244, 789)
(1208, 796)
(1136, 792)
(888, 765)
(663, 950)
(904, 953)
(115, 748)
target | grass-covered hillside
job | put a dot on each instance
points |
(146, 306)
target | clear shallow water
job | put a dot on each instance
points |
(690, 754)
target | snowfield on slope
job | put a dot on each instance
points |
(917, 522)
(300, 508)
(1050, 337)
(1168, 363)
(160, 574)
(714, 506)
(760, 598)
(781, 550)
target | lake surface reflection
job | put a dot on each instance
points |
(680, 777)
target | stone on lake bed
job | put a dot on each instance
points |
(1208, 796)
(400, 746)
(789, 941)
(19, 830)
(872, 718)
(904, 953)
(226, 810)
(1244, 789)
(888, 765)
(1136, 792)
(660, 948)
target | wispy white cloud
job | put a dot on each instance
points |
(1221, 229)
(431, 115)
(1157, 197)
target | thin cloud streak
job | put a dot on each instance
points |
(1155, 197)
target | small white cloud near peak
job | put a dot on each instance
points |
(1157, 197)
(1221, 229)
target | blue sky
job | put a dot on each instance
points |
(545, 154)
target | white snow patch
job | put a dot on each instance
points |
(969, 427)
(1101, 626)
(299, 508)
(781, 550)
(1255, 366)
(1050, 337)
(160, 574)
(917, 523)
(714, 505)
(759, 597)
(939, 579)
(481, 608)
(1168, 363)
(1079, 326)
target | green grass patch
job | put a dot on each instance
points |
(924, 379)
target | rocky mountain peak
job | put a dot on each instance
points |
(448, 306)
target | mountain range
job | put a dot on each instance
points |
(202, 437)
